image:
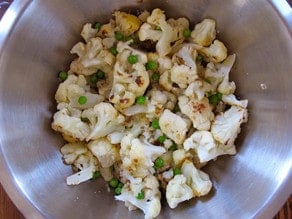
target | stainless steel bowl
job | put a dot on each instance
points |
(35, 37)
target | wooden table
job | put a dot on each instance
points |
(9, 211)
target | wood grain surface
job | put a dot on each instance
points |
(9, 211)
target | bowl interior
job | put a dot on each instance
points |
(247, 184)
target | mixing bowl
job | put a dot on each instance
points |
(35, 37)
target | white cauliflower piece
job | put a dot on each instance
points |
(130, 81)
(179, 156)
(224, 68)
(108, 121)
(78, 155)
(91, 57)
(88, 32)
(169, 34)
(106, 173)
(165, 81)
(71, 151)
(226, 125)
(182, 75)
(204, 32)
(156, 102)
(173, 126)
(126, 23)
(164, 64)
(198, 111)
(144, 15)
(72, 88)
(136, 109)
(150, 204)
(205, 147)
(69, 125)
(232, 100)
(178, 191)
(196, 179)
(146, 32)
(216, 52)
(184, 70)
(137, 156)
(62, 91)
(106, 153)
(195, 88)
(107, 30)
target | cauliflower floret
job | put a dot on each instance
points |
(178, 191)
(91, 57)
(88, 32)
(62, 91)
(169, 35)
(203, 143)
(127, 23)
(156, 102)
(71, 151)
(165, 81)
(198, 111)
(106, 173)
(107, 30)
(182, 75)
(137, 156)
(69, 125)
(78, 155)
(216, 52)
(106, 153)
(204, 32)
(164, 64)
(147, 32)
(179, 156)
(173, 126)
(226, 87)
(184, 70)
(144, 15)
(226, 125)
(232, 100)
(218, 76)
(130, 81)
(72, 88)
(196, 179)
(150, 204)
(195, 88)
(108, 121)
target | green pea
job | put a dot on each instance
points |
(63, 75)
(118, 191)
(155, 123)
(215, 98)
(176, 171)
(82, 100)
(95, 175)
(141, 100)
(187, 33)
(155, 77)
(161, 139)
(119, 36)
(173, 147)
(132, 59)
(158, 163)
(140, 195)
(114, 50)
(114, 182)
(96, 25)
(151, 65)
